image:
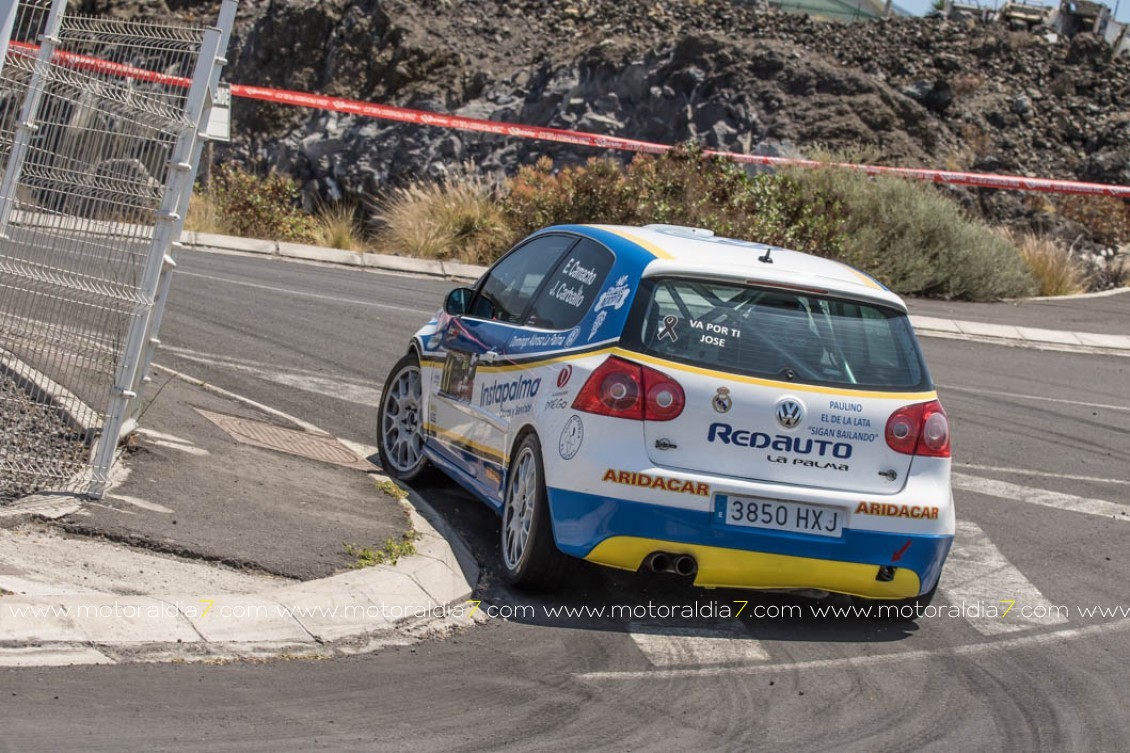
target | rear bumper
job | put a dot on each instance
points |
(620, 533)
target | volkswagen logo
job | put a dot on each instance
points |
(790, 413)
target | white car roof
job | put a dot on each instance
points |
(699, 253)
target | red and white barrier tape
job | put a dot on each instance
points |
(579, 138)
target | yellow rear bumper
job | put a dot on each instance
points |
(737, 568)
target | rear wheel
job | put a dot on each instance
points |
(530, 557)
(400, 427)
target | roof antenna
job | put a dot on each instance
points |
(766, 258)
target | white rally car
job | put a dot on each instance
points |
(660, 397)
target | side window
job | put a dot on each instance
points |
(509, 287)
(572, 287)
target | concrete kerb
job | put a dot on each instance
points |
(356, 259)
(421, 595)
(1007, 334)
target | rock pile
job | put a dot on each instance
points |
(730, 74)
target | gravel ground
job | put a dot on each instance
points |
(39, 450)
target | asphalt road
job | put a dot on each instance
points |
(1042, 455)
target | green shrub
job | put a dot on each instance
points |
(915, 240)
(905, 234)
(259, 207)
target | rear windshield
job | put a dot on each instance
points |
(785, 335)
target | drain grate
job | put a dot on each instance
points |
(324, 449)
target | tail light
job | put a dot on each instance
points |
(920, 429)
(623, 389)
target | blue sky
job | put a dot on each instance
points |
(919, 7)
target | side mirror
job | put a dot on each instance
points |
(458, 301)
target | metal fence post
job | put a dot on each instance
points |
(26, 126)
(170, 221)
(225, 22)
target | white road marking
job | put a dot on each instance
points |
(1043, 474)
(302, 294)
(847, 662)
(684, 646)
(976, 573)
(173, 443)
(294, 420)
(144, 504)
(981, 391)
(1006, 490)
(336, 387)
(360, 450)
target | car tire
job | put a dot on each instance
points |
(530, 558)
(400, 423)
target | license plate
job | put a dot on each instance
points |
(778, 515)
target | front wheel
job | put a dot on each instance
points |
(530, 557)
(400, 426)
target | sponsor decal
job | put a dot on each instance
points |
(807, 463)
(500, 393)
(790, 412)
(555, 340)
(665, 483)
(614, 297)
(888, 510)
(757, 440)
(564, 376)
(722, 401)
(556, 403)
(571, 438)
(600, 317)
(572, 336)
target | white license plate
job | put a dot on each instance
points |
(778, 515)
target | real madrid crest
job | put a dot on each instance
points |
(722, 401)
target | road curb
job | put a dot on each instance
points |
(1033, 337)
(340, 257)
(352, 612)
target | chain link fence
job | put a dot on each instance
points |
(99, 141)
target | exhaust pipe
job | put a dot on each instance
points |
(658, 562)
(685, 565)
(677, 564)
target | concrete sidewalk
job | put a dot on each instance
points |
(237, 521)
(1097, 323)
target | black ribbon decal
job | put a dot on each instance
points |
(668, 331)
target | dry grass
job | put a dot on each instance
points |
(456, 219)
(1056, 272)
(337, 227)
(203, 214)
